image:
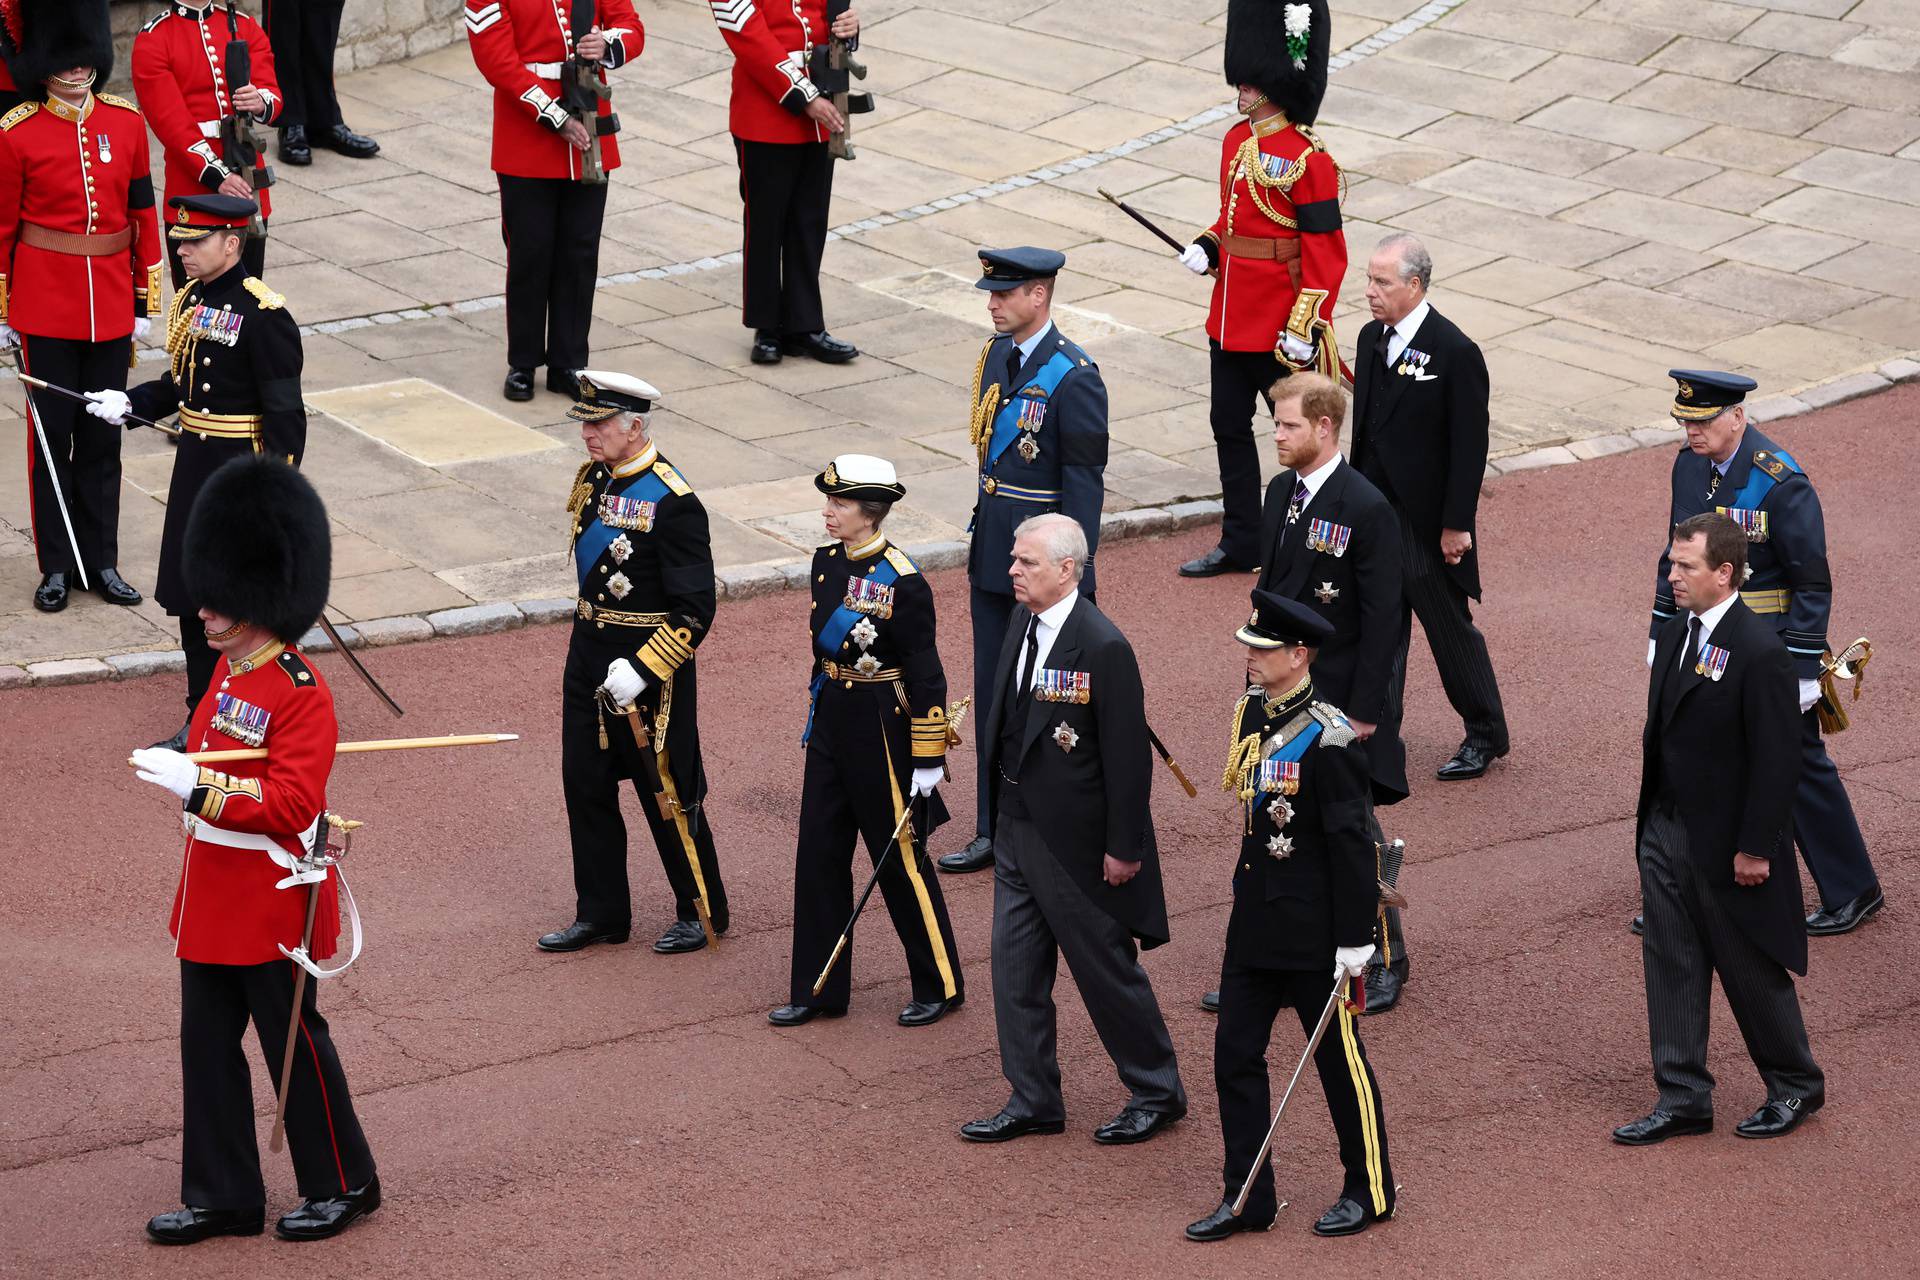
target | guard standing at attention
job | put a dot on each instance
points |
(1276, 251)
(1305, 889)
(1039, 426)
(553, 197)
(79, 275)
(876, 743)
(781, 122)
(305, 34)
(233, 376)
(645, 564)
(1728, 466)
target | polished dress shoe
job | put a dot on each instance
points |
(1470, 761)
(1134, 1124)
(1006, 1126)
(766, 347)
(564, 382)
(1210, 1001)
(924, 1013)
(191, 1225)
(1221, 1223)
(356, 146)
(178, 742)
(293, 145)
(1778, 1117)
(321, 1219)
(1846, 917)
(1212, 565)
(51, 595)
(1638, 925)
(1348, 1217)
(684, 935)
(1658, 1127)
(822, 346)
(796, 1015)
(519, 384)
(977, 856)
(1384, 983)
(113, 588)
(581, 934)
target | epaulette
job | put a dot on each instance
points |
(115, 100)
(580, 476)
(902, 562)
(1071, 348)
(1779, 466)
(18, 114)
(266, 297)
(296, 668)
(1334, 729)
(158, 18)
(675, 481)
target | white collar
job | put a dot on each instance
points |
(1404, 331)
(1710, 620)
(1054, 616)
(1318, 476)
(1027, 347)
(871, 547)
(638, 462)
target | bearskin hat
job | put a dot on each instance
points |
(45, 36)
(259, 548)
(1290, 67)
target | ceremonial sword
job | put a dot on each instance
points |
(83, 398)
(1172, 764)
(53, 478)
(323, 857)
(1313, 1043)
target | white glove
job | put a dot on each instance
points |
(142, 326)
(623, 682)
(925, 780)
(1651, 646)
(1351, 962)
(1194, 259)
(8, 338)
(1295, 350)
(1809, 694)
(167, 769)
(111, 406)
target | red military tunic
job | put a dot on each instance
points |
(1278, 188)
(226, 910)
(67, 174)
(179, 73)
(772, 44)
(519, 46)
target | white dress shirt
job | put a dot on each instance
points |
(1403, 333)
(1708, 621)
(1051, 620)
(1317, 477)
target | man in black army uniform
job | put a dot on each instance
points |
(1039, 424)
(645, 565)
(1305, 890)
(234, 379)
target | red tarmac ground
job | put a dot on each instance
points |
(617, 1112)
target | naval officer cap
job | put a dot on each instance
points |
(1002, 269)
(861, 476)
(1700, 394)
(197, 217)
(1280, 623)
(603, 394)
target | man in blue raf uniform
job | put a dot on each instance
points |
(1728, 466)
(1039, 425)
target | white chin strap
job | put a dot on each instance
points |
(299, 954)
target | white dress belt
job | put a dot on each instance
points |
(547, 70)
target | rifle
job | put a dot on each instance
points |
(833, 71)
(240, 147)
(582, 90)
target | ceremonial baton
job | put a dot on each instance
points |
(1172, 764)
(53, 478)
(1313, 1043)
(360, 747)
(340, 647)
(1140, 218)
(81, 396)
(300, 979)
(958, 714)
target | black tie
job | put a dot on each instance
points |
(1013, 365)
(1693, 643)
(1024, 693)
(1386, 344)
(1677, 681)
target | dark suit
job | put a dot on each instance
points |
(1049, 896)
(1720, 761)
(1421, 438)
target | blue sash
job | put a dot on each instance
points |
(597, 536)
(1759, 484)
(1007, 422)
(834, 633)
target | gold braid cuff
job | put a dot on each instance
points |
(930, 734)
(666, 650)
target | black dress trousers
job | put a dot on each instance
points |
(303, 34)
(552, 231)
(1240, 382)
(785, 188)
(86, 452)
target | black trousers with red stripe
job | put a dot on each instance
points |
(551, 227)
(220, 1156)
(86, 452)
(303, 34)
(785, 188)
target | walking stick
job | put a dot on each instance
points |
(1313, 1043)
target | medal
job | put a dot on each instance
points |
(1327, 592)
(620, 549)
(106, 149)
(1281, 812)
(1065, 736)
(867, 665)
(864, 633)
(619, 585)
(1029, 447)
(1279, 846)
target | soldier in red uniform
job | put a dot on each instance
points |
(80, 258)
(179, 73)
(1276, 251)
(258, 558)
(780, 123)
(550, 214)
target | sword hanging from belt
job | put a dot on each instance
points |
(650, 769)
(1850, 664)
(53, 479)
(319, 863)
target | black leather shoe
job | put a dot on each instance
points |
(924, 1013)
(1006, 1126)
(1846, 917)
(564, 382)
(581, 934)
(1638, 925)
(683, 935)
(1778, 1117)
(178, 742)
(1135, 1125)
(1384, 983)
(191, 1225)
(293, 145)
(1221, 1223)
(1348, 1217)
(348, 143)
(51, 595)
(1470, 761)
(766, 347)
(1660, 1126)
(322, 1219)
(519, 384)
(795, 1015)
(822, 346)
(977, 856)
(1212, 565)
(1210, 1001)
(113, 588)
